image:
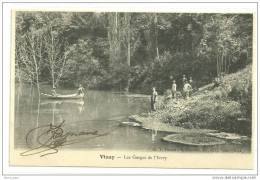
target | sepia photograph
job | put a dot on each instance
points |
(112, 89)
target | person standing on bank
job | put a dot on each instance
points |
(174, 89)
(190, 81)
(192, 85)
(187, 89)
(184, 79)
(153, 99)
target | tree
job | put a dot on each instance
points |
(40, 45)
(82, 67)
(113, 37)
(126, 33)
(56, 55)
(223, 41)
(129, 50)
(29, 55)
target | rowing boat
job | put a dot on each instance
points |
(61, 96)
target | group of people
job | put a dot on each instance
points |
(218, 80)
(187, 89)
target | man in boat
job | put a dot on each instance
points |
(53, 91)
(81, 90)
(153, 99)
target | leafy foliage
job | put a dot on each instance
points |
(139, 50)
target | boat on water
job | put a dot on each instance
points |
(62, 96)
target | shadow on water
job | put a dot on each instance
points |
(99, 111)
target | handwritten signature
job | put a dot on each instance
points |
(51, 137)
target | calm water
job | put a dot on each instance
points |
(100, 111)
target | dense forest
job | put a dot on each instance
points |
(129, 51)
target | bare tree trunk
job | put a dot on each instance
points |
(128, 37)
(36, 68)
(225, 64)
(128, 19)
(37, 76)
(116, 22)
(61, 70)
(128, 48)
(229, 57)
(113, 37)
(33, 43)
(52, 61)
(217, 64)
(156, 35)
(221, 62)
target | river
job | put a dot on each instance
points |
(100, 111)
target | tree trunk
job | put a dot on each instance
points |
(221, 62)
(229, 57)
(156, 35)
(37, 77)
(217, 64)
(113, 38)
(128, 50)
(52, 61)
(128, 18)
(36, 69)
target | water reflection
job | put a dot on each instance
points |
(57, 106)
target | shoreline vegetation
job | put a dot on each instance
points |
(222, 112)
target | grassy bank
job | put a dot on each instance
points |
(220, 108)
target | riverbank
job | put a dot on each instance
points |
(226, 108)
(151, 123)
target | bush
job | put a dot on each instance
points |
(236, 92)
(209, 114)
(246, 102)
(188, 125)
(242, 93)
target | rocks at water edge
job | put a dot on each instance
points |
(128, 123)
(194, 139)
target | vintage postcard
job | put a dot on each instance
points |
(118, 88)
